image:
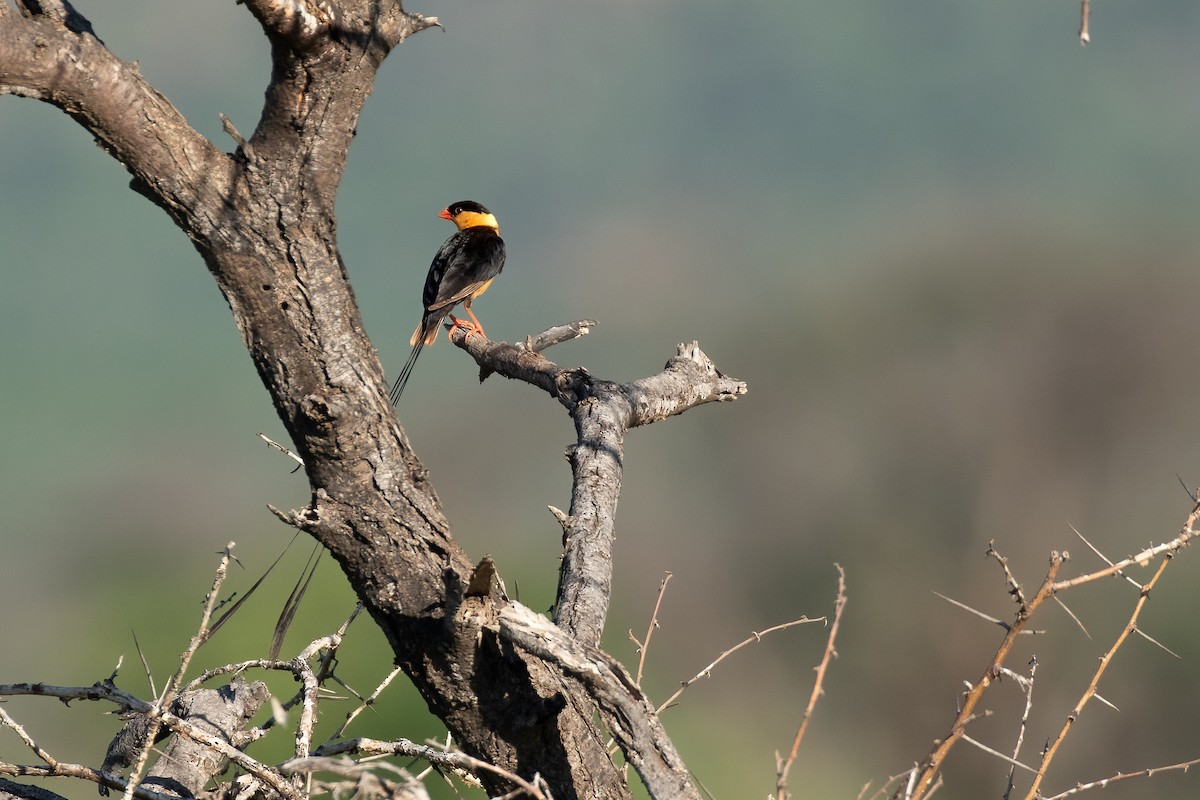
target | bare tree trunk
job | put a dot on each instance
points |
(262, 219)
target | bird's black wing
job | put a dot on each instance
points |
(468, 260)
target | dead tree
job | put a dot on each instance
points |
(514, 690)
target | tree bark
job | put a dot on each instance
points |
(262, 219)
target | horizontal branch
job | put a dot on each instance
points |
(106, 691)
(689, 379)
(66, 770)
(1140, 559)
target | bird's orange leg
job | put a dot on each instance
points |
(478, 326)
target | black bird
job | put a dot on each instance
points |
(463, 269)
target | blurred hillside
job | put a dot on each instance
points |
(953, 254)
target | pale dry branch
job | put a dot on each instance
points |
(1104, 783)
(127, 702)
(312, 688)
(9, 722)
(1049, 588)
(536, 343)
(882, 791)
(929, 769)
(63, 769)
(644, 646)
(1142, 559)
(1052, 750)
(753, 638)
(171, 690)
(557, 335)
(784, 767)
(1027, 685)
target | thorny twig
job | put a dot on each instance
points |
(924, 778)
(1103, 783)
(1027, 683)
(644, 646)
(172, 688)
(1105, 660)
(784, 766)
(1049, 587)
(109, 692)
(754, 637)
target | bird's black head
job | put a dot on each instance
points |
(469, 214)
(469, 206)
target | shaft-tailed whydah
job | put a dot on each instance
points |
(463, 269)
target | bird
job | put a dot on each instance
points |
(463, 268)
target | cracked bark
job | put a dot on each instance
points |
(262, 220)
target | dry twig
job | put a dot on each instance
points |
(924, 780)
(1049, 588)
(1104, 783)
(1105, 660)
(644, 646)
(754, 637)
(172, 688)
(126, 701)
(784, 766)
(1027, 684)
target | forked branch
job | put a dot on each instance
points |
(603, 412)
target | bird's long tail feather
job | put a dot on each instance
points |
(398, 386)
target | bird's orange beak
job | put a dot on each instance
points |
(445, 214)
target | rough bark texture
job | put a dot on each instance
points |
(262, 219)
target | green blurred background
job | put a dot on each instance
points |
(953, 254)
